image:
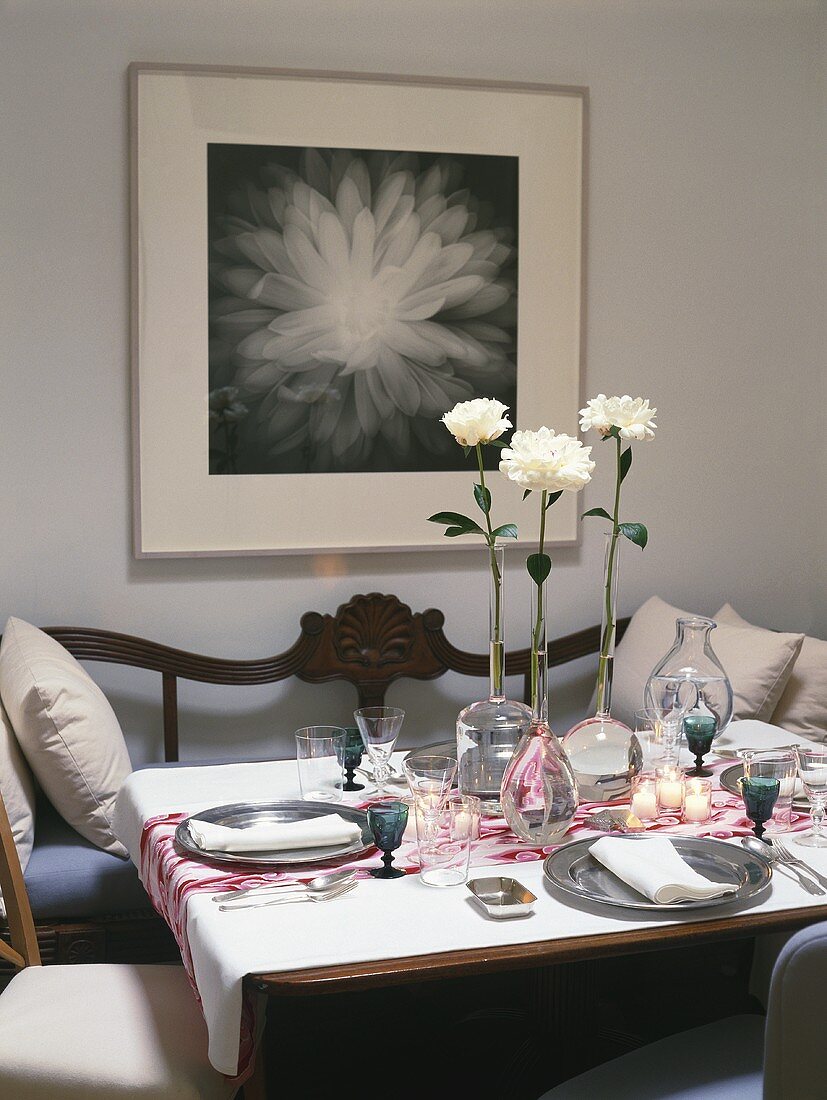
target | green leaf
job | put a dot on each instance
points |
(463, 525)
(496, 443)
(553, 498)
(625, 462)
(483, 498)
(467, 450)
(597, 512)
(636, 533)
(538, 566)
(452, 532)
(527, 493)
(507, 531)
(612, 433)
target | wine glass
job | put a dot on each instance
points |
(430, 779)
(387, 823)
(379, 727)
(699, 731)
(812, 771)
(658, 728)
(354, 748)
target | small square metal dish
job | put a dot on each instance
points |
(502, 898)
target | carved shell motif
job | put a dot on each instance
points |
(374, 631)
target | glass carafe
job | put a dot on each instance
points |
(604, 753)
(488, 731)
(690, 679)
(539, 792)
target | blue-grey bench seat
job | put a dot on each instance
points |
(69, 877)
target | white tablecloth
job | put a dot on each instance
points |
(379, 920)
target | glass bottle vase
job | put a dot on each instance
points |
(488, 730)
(690, 678)
(604, 753)
(539, 791)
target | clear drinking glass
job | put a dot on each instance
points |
(379, 727)
(812, 771)
(659, 734)
(320, 755)
(445, 845)
(777, 764)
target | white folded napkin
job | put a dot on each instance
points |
(653, 867)
(274, 836)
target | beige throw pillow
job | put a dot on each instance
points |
(67, 730)
(802, 707)
(758, 666)
(17, 789)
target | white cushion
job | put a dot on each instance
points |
(802, 707)
(104, 1032)
(758, 663)
(17, 789)
(67, 730)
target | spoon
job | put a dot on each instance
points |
(317, 885)
(769, 855)
(256, 902)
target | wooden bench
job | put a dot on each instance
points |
(371, 641)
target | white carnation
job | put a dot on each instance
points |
(477, 421)
(631, 415)
(545, 460)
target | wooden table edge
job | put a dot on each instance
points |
(348, 977)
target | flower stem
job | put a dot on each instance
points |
(496, 650)
(603, 676)
(536, 701)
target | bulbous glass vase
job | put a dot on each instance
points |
(604, 753)
(690, 678)
(539, 791)
(488, 731)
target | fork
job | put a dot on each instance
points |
(788, 857)
(260, 903)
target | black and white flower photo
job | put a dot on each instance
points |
(355, 297)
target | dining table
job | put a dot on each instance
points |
(385, 933)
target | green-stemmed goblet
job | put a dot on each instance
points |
(760, 795)
(700, 730)
(354, 748)
(387, 822)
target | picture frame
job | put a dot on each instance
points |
(233, 450)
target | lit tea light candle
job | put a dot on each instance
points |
(697, 805)
(670, 789)
(644, 802)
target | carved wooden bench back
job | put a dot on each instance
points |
(371, 641)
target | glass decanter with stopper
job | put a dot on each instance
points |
(539, 791)
(690, 679)
(604, 753)
(488, 731)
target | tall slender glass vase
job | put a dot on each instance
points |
(539, 791)
(488, 731)
(604, 753)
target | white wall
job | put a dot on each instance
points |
(706, 284)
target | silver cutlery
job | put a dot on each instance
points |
(315, 885)
(789, 857)
(769, 855)
(291, 899)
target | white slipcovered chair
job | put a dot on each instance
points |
(740, 1058)
(95, 1032)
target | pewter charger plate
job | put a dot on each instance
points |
(575, 871)
(241, 815)
(729, 781)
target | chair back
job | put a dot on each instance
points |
(793, 1049)
(23, 950)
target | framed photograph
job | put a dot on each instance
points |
(322, 265)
